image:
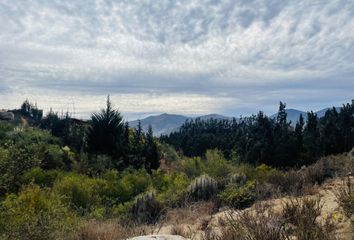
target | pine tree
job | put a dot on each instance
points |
(151, 152)
(311, 139)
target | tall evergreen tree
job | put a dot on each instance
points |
(311, 139)
(106, 132)
(151, 152)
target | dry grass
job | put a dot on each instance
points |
(302, 218)
(189, 214)
(299, 219)
(345, 197)
(94, 230)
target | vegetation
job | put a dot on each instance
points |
(59, 175)
(276, 142)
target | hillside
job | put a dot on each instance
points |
(167, 123)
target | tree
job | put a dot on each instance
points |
(151, 152)
(311, 139)
(106, 132)
(299, 127)
(138, 160)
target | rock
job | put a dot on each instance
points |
(7, 116)
(159, 237)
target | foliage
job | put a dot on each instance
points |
(193, 167)
(15, 161)
(238, 197)
(202, 188)
(216, 165)
(146, 208)
(31, 110)
(276, 142)
(35, 214)
(168, 153)
(171, 188)
(80, 192)
(42, 178)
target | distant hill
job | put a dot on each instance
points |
(293, 115)
(322, 112)
(214, 116)
(161, 124)
(167, 123)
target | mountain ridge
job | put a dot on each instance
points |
(166, 123)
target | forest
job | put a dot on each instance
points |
(61, 177)
(276, 142)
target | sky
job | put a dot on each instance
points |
(192, 57)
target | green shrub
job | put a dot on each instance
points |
(263, 173)
(14, 162)
(54, 158)
(193, 167)
(171, 188)
(217, 166)
(80, 192)
(4, 129)
(115, 190)
(35, 214)
(41, 177)
(239, 197)
(168, 153)
(138, 181)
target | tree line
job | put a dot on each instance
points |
(273, 141)
(105, 136)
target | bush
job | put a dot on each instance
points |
(217, 166)
(41, 177)
(82, 193)
(239, 197)
(302, 217)
(14, 162)
(147, 209)
(170, 188)
(193, 167)
(4, 129)
(138, 181)
(168, 153)
(54, 158)
(35, 214)
(202, 188)
(263, 224)
(345, 197)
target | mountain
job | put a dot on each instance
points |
(161, 124)
(292, 115)
(214, 116)
(322, 112)
(167, 123)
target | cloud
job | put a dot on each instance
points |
(230, 56)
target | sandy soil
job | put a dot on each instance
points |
(191, 222)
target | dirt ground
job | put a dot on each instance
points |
(192, 222)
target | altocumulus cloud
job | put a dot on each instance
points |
(190, 56)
